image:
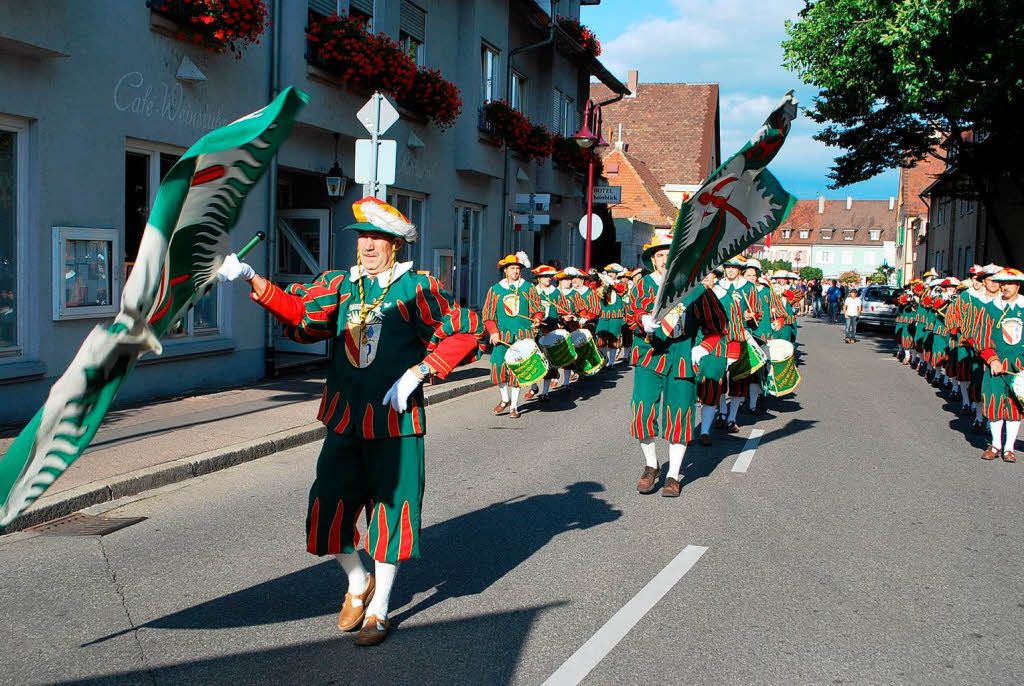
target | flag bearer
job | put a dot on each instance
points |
(382, 313)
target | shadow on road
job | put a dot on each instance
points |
(475, 650)
(465, 556)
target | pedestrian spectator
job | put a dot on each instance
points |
(832, 297)
(852, 307)
(816, 293)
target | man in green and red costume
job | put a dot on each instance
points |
(669, 357)
(743, 294)
(393, 327)
(512, 312)
(1001, 347)
(762, 328)
(551, 318)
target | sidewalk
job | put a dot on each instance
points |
(140, 447)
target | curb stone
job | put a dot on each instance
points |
(148, 478)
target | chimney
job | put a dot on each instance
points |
(631, 81)
(892, 203)
(849, 202)
(821, 204)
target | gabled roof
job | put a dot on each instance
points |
(642, 197)
(863, 217)
(672, 127)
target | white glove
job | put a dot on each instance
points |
(232, 269)
(697, 354)
(650, 326)
(583, 321)
(398, 395)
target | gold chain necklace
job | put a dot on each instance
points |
(365, 310)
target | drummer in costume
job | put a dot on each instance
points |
(941, 343)
(787, 298)
(668, 361)
(962, 356)
(610, 322)
(391, 323)
(628, 287)
(744, 295)
(762, 330)
(588, 305)
(569, 305)
(1001, 346)
(512, 312)
(551, 318)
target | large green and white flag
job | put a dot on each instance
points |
(182, 247)
(738, 204)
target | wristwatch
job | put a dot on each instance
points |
(423, 369)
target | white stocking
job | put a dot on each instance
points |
(384, 577)
(1012, 429)
(707, 415)
(734, 408)
(997, 433)
(755, 391)
(503, 389)
(514, 392)
(676, 451)
(353, 567)
(963, 392)
(650, 455)
(610, 354)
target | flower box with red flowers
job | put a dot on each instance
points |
(513, 129)
(343, 48)
(568, 155)
(581, 34)
(220, 26)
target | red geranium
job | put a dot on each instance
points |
(582, 34)
(533, 141)
(344, 47)
(218, 25)
(433, 97)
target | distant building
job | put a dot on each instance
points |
(837, 236)
(912, 217)
(644, 205)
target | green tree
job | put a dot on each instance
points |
(849, 278)
(811, 273)
(775, 265)
(895, 77)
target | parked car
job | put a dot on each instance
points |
(879, 305)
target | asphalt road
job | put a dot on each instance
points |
(865, 544)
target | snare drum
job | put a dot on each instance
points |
(782, 377)
(526, 362)
(751, 359)
(589, 359)
(557, 346)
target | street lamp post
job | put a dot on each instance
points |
(588, 138)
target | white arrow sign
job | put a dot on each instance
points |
(377, 115)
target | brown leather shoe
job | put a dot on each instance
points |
(374, 631)
(351, 616)
(732, 427)
(671, 488)
(513, 413)
(1008, 456)
(555, 383)
(500, 407)
(530, 394)
(704, 439)
(990, 454)
(648, 480)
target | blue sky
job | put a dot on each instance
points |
(736, 44)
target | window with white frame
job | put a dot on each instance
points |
(568, 116)
(362, 10)
(412, 31)
(784, 255)
(145, 165)
(13, 179)
(412, 205)
(518, 92)
(875, 234)
(870, 258)
(804, 233)
(826, 234)
(846, 257)
(489, 72)
(848, 234)
(826, 257)
(787, 233)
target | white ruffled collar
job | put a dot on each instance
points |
(384, 277)
(657, 277)
(509, 285)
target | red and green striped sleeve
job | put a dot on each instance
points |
(455, 333)
(308, 311)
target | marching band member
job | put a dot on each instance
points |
(667, 359)
(1002, 350)
(512, 312)
(744, 296)
(551, 315)
(763, 329)
(588, 306)
(372, 458)
(610, 323)
(569, 304)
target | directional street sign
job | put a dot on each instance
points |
(387, 157)
(377, 115)
(532, 222)
(608, 195)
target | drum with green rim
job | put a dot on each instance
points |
(526, 362)
(589, 359)
(557, 346)
(751, 359)
(782, 377)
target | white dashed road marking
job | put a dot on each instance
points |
(743, 461)
(579, 665)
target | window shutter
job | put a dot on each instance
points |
(413, 21)
(364, 6)
(556, 122)
(324, 7)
